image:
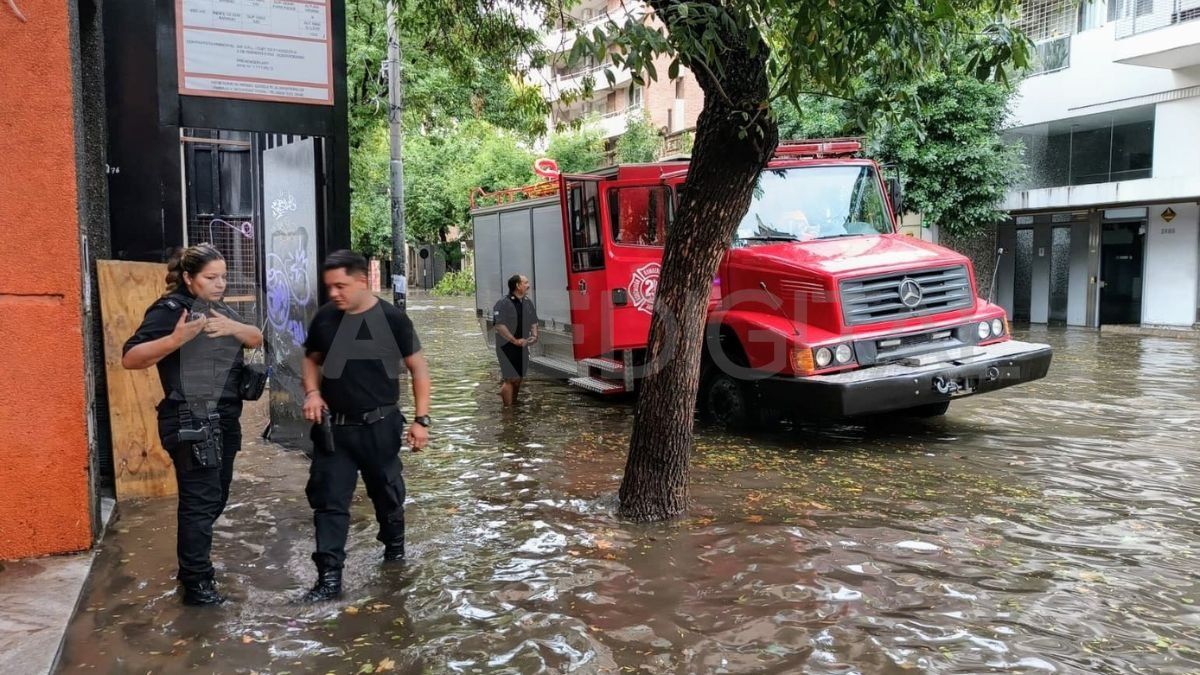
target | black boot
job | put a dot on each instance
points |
(328, 587)
(202, 593)
(393, 552)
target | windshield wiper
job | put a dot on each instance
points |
(771, 237)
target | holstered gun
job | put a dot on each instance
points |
(201, 429)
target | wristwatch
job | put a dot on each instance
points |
(423, 420)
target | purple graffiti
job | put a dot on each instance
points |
(244, 228)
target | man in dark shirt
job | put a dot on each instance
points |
(516, 324)
(353, 352)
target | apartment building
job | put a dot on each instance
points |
(1105, 225)
(672, 105)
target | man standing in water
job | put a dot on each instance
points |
(352, 362)
(516, 322)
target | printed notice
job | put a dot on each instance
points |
(272, 50)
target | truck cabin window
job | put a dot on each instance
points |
(817, 202)
(638, 216)
(587, 251)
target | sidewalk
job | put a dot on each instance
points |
(37, 600)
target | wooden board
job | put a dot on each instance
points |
(142, 467)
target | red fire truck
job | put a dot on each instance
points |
(819, 307)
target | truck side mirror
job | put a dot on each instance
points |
(896, 194)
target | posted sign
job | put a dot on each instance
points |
(264, 50)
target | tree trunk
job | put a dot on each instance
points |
(724, 170)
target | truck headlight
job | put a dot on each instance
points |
(843, 354)
(985, 330)
(997, 327)
(824, 357)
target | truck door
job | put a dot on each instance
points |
(586, 282)
(637, 214)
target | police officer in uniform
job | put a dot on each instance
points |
(196, 342)
(353, 352)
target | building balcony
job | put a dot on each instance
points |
(562, 40)
(1160, 34)
(557, 85)
(613, 124)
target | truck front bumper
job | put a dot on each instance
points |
(925, 380)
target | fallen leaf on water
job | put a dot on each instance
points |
(754, 518)
(352, 610)
(386, 664)
(246, 639)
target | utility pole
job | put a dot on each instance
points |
(395, 119)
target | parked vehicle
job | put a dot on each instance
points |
(818, 307)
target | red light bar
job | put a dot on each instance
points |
(822, 147)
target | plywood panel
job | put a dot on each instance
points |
(142, 467)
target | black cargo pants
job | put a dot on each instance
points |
(373, 449)
(203, 492)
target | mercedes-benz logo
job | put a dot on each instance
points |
(910, 293)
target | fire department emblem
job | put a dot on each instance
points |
(643, 286)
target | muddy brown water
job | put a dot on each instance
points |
(1046, 528)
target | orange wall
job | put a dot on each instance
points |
(44, 505)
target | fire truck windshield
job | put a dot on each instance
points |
(815, 202)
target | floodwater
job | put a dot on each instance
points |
(1046, 528)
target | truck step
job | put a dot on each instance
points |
(597, 385)
(605, 365)
(554, 366)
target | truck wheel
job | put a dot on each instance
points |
(927, 410)
(727, 402)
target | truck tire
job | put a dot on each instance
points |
(927, 410)
(727, 402)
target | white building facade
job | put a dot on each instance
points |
(1105, 226)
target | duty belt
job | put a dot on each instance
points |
(361, 418)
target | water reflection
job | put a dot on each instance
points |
(1048, 528)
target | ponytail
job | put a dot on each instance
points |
(191, 260)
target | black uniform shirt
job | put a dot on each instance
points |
(354, 375)
(214, 365)
(518, 315)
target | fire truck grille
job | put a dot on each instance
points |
(900, 296)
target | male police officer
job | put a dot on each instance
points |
(351, 375)
(516, 323)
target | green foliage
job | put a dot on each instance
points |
(955, 165)
(459, 92)
(816, 47)
(577, 150)
(456, 283)
(641, 141)
(443, 167)
(813, 117)
(370, 206)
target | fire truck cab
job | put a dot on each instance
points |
(819, 307)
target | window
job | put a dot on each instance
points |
(1092, 14)
(1100, 148)
(587, 251)
(635, 96)
(639, 215)
(819, 202)
(679, 88)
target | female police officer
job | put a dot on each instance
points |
(196, 341)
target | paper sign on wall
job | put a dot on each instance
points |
(266, 50)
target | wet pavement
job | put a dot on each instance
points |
(1046, 528)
